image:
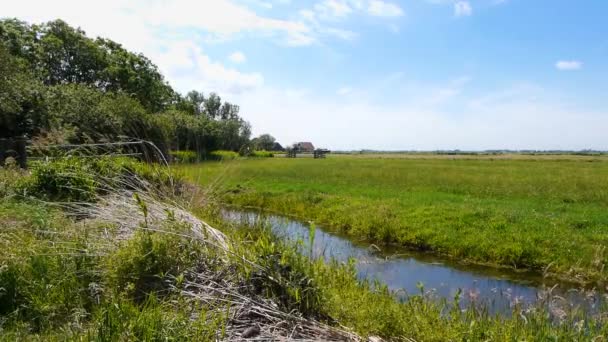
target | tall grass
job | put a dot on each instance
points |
(111, 266)
(541, 214)
(137, 268)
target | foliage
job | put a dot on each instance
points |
(82, 179)
(60, 282)
(264, 142)
(155, 320)
(53, 78)
(140, 266)
(91, 115)
(69, 179)
(63, 279)
(332, 291)
(224, 155)
(184, 157)
(261, 154)
(43, 283)
(60, 54)
(22, 108)
(547, 215)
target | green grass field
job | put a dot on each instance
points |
(548, 214)
(136, 275)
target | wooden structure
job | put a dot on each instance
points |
(320, 153)
(14, 148)
(304, 146)
(317, 154)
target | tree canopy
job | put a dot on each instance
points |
(53, 78)
(264, 142)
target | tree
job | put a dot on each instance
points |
(94, 115)
(60, 54)
(136, 75)
(53, 78)
(66, 55)
(22, 106)
(263, 142)
(229, 111)
(194, 102)
(213, 105)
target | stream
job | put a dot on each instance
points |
(408, 272)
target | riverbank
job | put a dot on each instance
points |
(545, 215)
(88, 254)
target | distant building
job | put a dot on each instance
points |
(277, 147)
(304, 146)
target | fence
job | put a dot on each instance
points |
(317, 154)
(22, 150)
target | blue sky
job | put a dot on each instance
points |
(415, 74)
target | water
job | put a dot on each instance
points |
(406, 272)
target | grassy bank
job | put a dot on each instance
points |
(548, 215)
(109, 267)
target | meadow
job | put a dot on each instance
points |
(111, 249)
(546, 213)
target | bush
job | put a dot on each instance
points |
(81, 180)
(8, 178)
(184, 157)
(43, 281)
(262, 154)
(121, 320)
(143, 264)
(71, 180)
(224, 155)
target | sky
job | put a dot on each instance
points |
(376, 74)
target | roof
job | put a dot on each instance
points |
(305, 145)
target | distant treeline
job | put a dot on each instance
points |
(58, 85)
(485, 152)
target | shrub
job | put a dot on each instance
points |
(143, 263)
(69, 179)
(184, 157)
(8, 179)
(121, 320)
(262, 154)
(43, 281)
(224, 155)
(80, 179)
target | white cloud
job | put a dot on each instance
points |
(569, 65)
(517, 117)
(462, 9)
(308, 14)
(237, 57)
(344, 91)
(167, 33)
(342, 34)
(384, 9)
(333, 9)
(219, 18)
(189, 68)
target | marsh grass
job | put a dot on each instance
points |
(126, 267)
(543, 214)
(371, 309)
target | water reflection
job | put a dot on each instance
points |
(408, 273)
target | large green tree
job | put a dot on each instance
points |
(53, 78)
(22, 106)
(263, 142)
(61, 54)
